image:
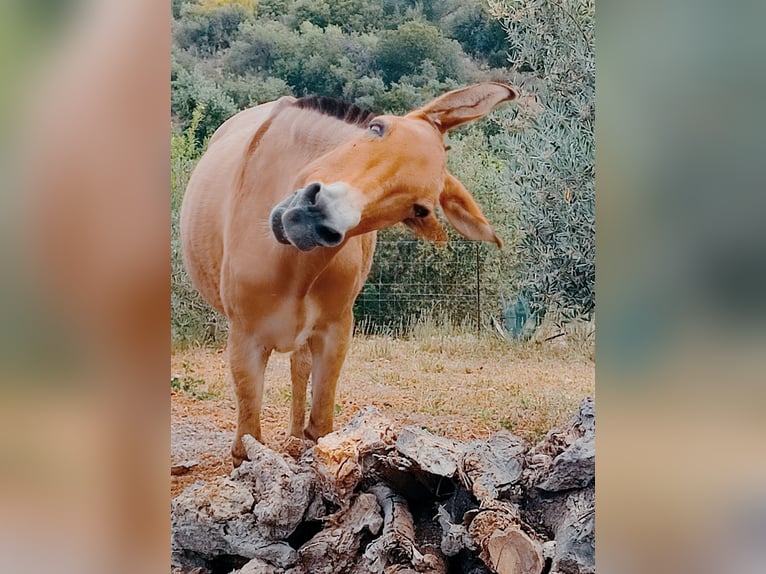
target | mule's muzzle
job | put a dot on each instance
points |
(302, 220)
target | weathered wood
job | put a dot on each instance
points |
(428, 536)
(573, 468)
(491, 468)
(455, 537)
(569, 517)
(397, 541)
(505, 547)
(433, 454)
(342, 458)
(215, 519)
(575, 537)
(282, 489)
(431, 505)
(335, 548)
(258, 566)
(560, 498)
(565, 458)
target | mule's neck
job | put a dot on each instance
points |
(274, 160)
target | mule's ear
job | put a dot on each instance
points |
(464, 214)
(465, 105)
(427, 227)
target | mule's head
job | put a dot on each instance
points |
(395, 171)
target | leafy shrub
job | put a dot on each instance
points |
(352, 16)
(551, 154)
(401, 52)
(192, 319)
(311, 60)
(479, 34)
(209, 27)
(262, 47)
(248, 91)
(192, 90)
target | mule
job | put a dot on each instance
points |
(279, 223)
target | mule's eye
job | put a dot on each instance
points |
(377, 128)
(420, 211)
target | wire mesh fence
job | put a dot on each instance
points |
(461, 284)
(412, 280)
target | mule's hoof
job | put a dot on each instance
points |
(314, 434)
(309, 435)
(296, 447)
(238, 454)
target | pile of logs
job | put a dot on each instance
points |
(373, 499)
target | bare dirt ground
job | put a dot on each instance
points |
(459, 386)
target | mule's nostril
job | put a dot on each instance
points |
(328, 236)
(311, 191)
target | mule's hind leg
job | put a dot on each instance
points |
(328, 349)
(247, 361)
(300, 369)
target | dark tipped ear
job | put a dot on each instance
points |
(464, 214)
(465, 105)
(427, 227)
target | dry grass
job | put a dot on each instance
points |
(449, 381)
(439, 379)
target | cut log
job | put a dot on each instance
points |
(575, 467)
(428, 537)
(396, 544)
(565, 458)
(342, 458)
(433, 454)
(282, 490)
(258, 566)
(570, 517)
(492, 468)
(505, 547)
(405, 502)
(215, 519)
(575, 547)
(335, 548)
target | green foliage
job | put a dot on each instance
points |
(311, 60)
(403, 51)
(191, 89)
(262, 47)
(479, 34)
(272, 9)
(248, 91)
(551, 156)
(208, 29)
(192, 319)
(191, 387)
(176, 6)
(352, 16)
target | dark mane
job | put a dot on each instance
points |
(346, 111)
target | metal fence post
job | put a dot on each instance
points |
(478, 292)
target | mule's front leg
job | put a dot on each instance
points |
(247, 361)
(300, 369)
(328, 350)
